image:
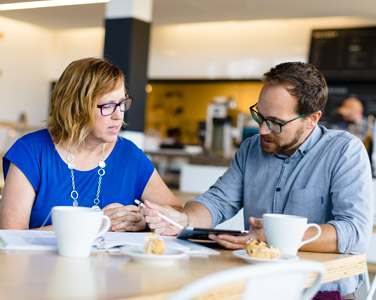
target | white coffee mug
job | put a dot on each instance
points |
(286, 231)
(76, 229)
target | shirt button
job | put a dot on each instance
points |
(278, 189)
(304, 152)
(287, 161)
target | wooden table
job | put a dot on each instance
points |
(45, 275)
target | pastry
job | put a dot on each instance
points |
(260, 249)
(154, 245)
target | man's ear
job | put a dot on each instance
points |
(313, 119)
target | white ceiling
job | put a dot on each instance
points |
(192, 11)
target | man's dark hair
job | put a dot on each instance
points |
(303, 81)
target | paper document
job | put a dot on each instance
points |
(116, 239)
(46, 240)
(28, 240)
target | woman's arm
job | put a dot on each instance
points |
(156, 191)
(128, 218)
(17, 201)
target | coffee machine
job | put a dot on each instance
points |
(218, 139)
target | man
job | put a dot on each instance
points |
(354, 122)
(351, 110)
(293, 166)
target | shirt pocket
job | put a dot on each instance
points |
(306, 203)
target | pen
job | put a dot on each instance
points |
(161, 216)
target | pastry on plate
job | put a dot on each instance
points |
(260, 249)
(154, 245)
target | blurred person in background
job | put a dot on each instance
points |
(353, 121)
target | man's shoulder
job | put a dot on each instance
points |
(337, 140)
(338, 135)
(251, 142)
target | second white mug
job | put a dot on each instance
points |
(286, 231)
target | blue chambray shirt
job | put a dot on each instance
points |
(328, 180)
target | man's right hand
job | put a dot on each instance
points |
(157, 224)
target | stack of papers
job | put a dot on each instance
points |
(28, 240)
(111, 241)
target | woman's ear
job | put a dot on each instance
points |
(314, 119)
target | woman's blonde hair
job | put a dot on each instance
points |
(75, 96)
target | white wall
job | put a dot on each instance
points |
(244, 49)
(25, 57)
(31, 57)
(70, 45)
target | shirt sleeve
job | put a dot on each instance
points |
(224, 198)
(22, 156)
(352, 198)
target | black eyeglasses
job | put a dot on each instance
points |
(274, 126)
(108, 109)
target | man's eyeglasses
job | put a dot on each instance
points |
(274, 126)
(108, 109)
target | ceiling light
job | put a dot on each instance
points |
(49, 3)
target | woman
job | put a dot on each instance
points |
(80, 159)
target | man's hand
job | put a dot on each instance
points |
(256, 228)
(157, 224)
(229, 241)
(124, 218)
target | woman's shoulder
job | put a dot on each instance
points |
(126, 145)
(126, 148)
(36, 136)
(34, 141)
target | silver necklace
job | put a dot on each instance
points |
(101, 172)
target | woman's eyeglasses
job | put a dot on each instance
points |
(108, 109)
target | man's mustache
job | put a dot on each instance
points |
(268, 138)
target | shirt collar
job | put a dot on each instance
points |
(307, 144)
(311, 141)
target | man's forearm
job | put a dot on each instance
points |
(199, 215)
(326, 242)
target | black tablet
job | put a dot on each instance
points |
(195, 233)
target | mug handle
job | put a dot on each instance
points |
(314, 237)
(105, 227)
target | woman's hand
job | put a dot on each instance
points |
(124, 218)
(157, 224)
(229, 241)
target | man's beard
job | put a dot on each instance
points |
(277, 148)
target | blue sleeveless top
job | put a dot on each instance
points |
(127, 172)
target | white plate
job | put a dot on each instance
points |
(137, 255)
(254, 260)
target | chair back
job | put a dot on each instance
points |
(272, 281)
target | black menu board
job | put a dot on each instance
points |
(345, 54)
